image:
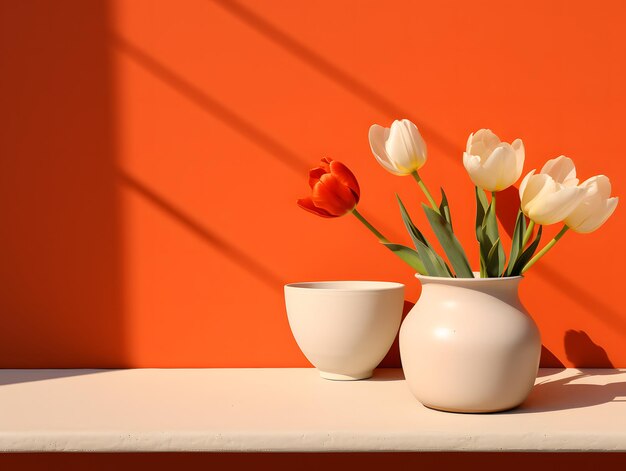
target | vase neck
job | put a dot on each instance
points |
(505, 289)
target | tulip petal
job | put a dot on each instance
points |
(334, 197)
(582, 213)
(346, 177)
(377, 144)
(405, 147)
(534, 188)
(501, 166)
(314, 175)
(596, 206)
(399, 149)
(562, 170)
(468, 146)
(496, 165)
(600, 183)
(485, 174)
(399, 146)
(389, 167)
(520, 155)
(417, 142)
(522, 187)
(470, 162)
(483, 142)
(555, 206)
(598, 217)
(377, 137)
(476, 171)
(307, 205)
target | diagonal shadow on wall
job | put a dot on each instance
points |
(211, 105)
(347, 81)
(594, 305)
(227, 249)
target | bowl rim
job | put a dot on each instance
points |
(351, 286)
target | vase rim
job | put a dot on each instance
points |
(476, 279)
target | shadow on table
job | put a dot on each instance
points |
(549, 362)
(387, 374)
(26, 376)
(566, 393)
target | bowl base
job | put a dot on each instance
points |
(340, 377)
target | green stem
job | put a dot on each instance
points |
(493, 203)
(367, 224)
(528, 233)
(421, 184)
(545, 250)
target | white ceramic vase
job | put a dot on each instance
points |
(344, 328)
(468, 345)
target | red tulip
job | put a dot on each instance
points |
(335, 190)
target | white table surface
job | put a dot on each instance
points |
(293, 409)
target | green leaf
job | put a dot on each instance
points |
(489, 238)
(495, 263)
(481, 209)
(484, 244)
(483, 266)
(526, 255)
(408, 255)
(444, 208)
(490, 224)
(433, 263)
(412, 229)
(517, 241)
(484, 247)
(501, 258)
(449, 242)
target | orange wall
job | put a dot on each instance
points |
(151, 153)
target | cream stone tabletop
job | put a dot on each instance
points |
(293, 409)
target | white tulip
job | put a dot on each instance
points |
(596, 206)
(493, 165)
(399, 149)
(551, 195)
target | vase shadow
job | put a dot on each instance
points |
(565, 393)
(549, 360)
(583, 352)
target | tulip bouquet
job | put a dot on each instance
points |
(551, 196)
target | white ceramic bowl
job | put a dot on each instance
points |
(344, 328)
